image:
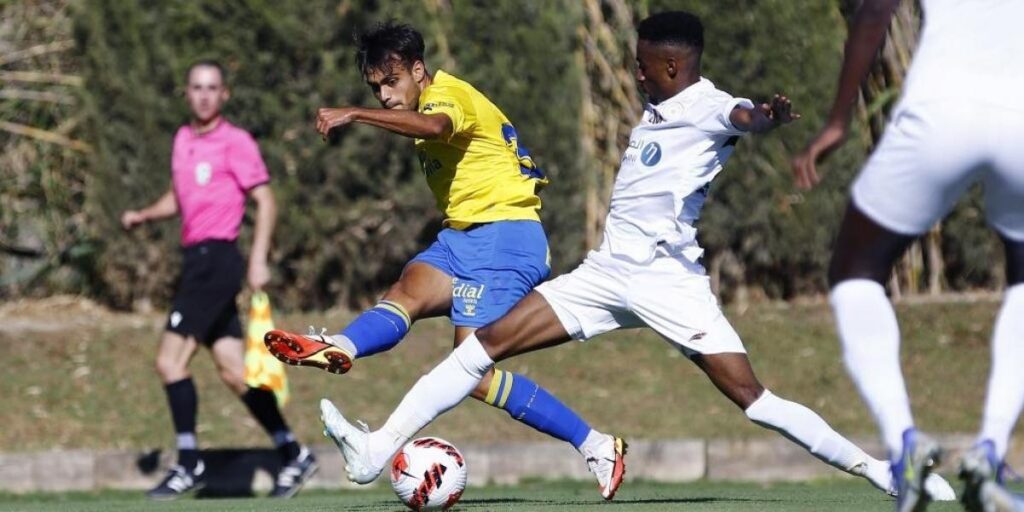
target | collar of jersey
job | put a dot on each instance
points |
(673, 108)
(441, 76)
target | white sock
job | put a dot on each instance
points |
(805, 428)
(871, 349)
(593, 442)
(1006, 380)
(341, 341)
(443, 388)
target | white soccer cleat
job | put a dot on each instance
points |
(877, 472)
(938, 488)
(352, 440)
(980, 470)
(607, 461)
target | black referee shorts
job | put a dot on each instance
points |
(204, 302)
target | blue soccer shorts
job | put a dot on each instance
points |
(493, 266)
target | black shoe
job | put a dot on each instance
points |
(294, 475)
(178, 482)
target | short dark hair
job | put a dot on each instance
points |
(386, 43)
(678, 28)
(210, 63)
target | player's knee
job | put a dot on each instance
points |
(496, 341)
(745, 395)
(234, 380)
(399, 293)
(170, 369)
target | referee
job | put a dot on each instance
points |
(215, 166)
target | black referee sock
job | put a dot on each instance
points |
(183, 400)
(263, 406)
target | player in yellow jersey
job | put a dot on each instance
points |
(490, 254)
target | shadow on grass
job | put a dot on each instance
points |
(229, 472)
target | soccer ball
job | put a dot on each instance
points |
(428, 474)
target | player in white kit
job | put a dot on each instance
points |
(645, 274)
(958, 123)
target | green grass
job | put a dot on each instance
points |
(834, 496)
(83, 378)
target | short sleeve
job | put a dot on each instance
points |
(718, 122)
(452, 103)
(246, 164)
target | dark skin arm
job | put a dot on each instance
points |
(867, 34)
(403, 122)
(764, 117)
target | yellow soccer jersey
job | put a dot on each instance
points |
(479, 174)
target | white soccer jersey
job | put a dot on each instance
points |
(969, 49)
(679, 146)
(959, 122)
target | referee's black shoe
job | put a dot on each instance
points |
(178, 482)
(295, 474)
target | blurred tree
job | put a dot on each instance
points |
(355, 209)
(610, 103)
(44, 243)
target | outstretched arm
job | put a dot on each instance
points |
(867, 33)
(166, 206)
(764, 117)
(403, 122)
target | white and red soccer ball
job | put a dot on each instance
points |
(428, 473)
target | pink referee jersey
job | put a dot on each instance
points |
(212, 173)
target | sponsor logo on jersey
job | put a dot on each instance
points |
(651, 154)
(430, 165)
(469, 294)
(630, 155)
(466, 290)
(435, 104)
(175, 319)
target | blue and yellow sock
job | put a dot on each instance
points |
(378, 329)
(531, 404)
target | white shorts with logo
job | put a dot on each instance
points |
(670, 295)
(932, 153)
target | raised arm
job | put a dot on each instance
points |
(764, 117)
(165, 207)
(266, 218)
(867, 33)
(403, 122)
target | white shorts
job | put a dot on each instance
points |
(932, 153)
(670, 295)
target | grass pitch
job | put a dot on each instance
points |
(833, 496)
(83, 378)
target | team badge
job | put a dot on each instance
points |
(204, 171)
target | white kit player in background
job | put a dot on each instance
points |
(646, 273)
(959, 122)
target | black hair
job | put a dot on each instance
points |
(386, 43)
(679, 28)
(211, 64)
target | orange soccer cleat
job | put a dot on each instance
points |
(308, 350)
